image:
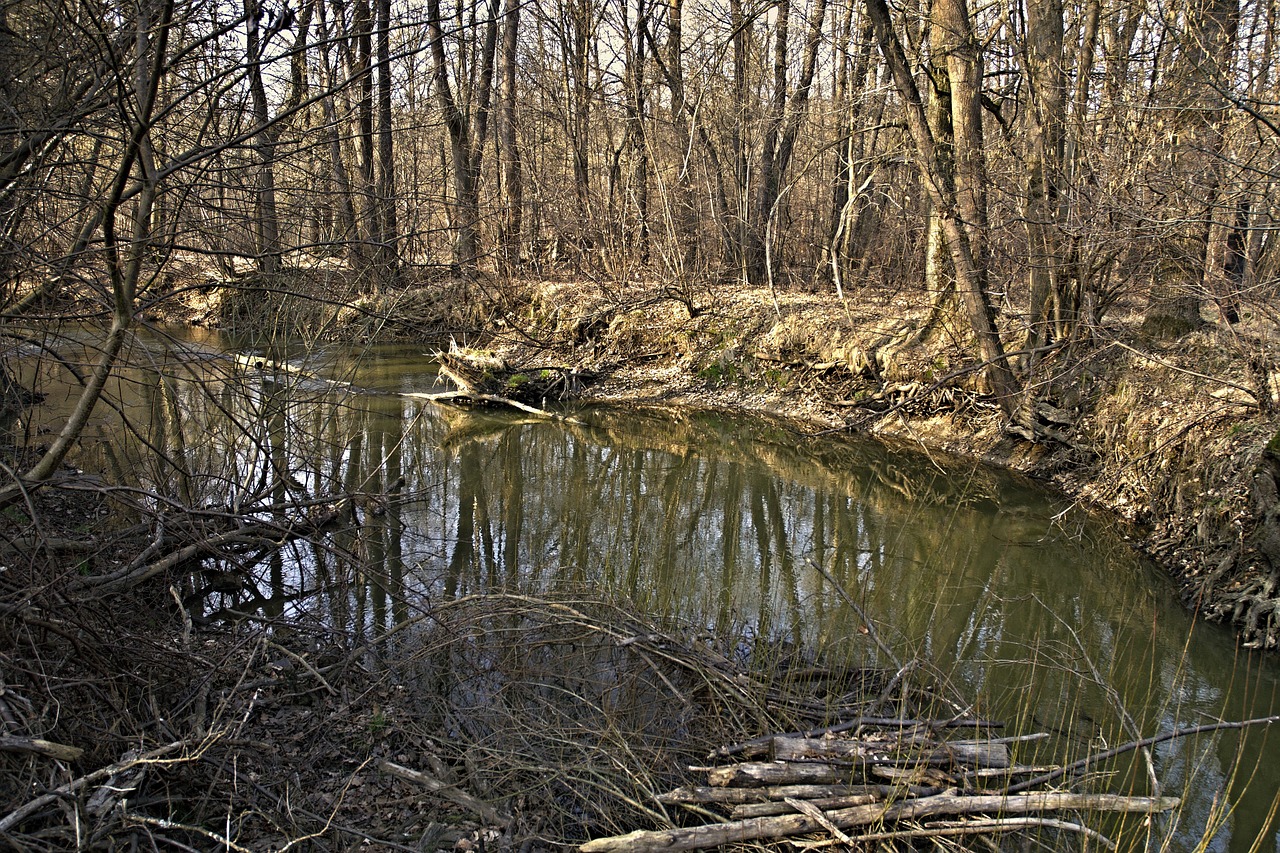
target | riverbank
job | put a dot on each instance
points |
(1168, 434)
(318, 727)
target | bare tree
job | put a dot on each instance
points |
(468, 129)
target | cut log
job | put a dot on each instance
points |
(782, 826)
(962, 753)
(754, 774)
(973, 753)
(801, 749)
(784, 806)
(733, 796)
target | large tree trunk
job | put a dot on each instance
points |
(785, 112)
(511, 221)
(1200, 151)
(388, 230)
(959, 214)
(637, 235)
(1050, 308)
(467, 134)
(684, 214)
(266, 218)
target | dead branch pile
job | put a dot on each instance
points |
(889, 779)
(500, 719)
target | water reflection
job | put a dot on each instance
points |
(1041, 612)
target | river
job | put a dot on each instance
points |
(1039, 611)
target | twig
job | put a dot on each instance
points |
(302, 661)
(22, 812)
(854, 606)
(224, 842)
(452, 793)
(1136, 744)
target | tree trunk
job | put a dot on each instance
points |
(1043, 207)
(957, 214)
(266, 219)
(388, 248)
(466, 134)
(783, 115)
(509, 229)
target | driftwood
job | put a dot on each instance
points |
(945, 804)
(736, 796)
(967, 753)
(479, 377)
(816, 784)
(830, 784)
(760, 745)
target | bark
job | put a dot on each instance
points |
(784, 114)
(638, 239)
(388, 230)
(938, 277)
(467, 133)
(684, 215)
(1200, 154)
(346, 214)
(266, 220)
(509, 235)
(1043, 209)
(958, 217)
(368, 215)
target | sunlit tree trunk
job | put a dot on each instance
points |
(512, 219)
(267, 220)
(962, 213)
(1046, 124)
(1199, 153)
(783, 116)
(467, 132)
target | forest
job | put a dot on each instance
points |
(1040, 233)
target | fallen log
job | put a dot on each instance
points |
(788, 804)
(958, 753)
(783, 826)
(760, 745)
(760, 773)
(705, 795)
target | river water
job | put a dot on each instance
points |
(1039, 611)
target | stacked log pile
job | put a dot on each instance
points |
(882, 781)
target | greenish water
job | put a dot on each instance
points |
(1036, 609)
